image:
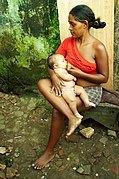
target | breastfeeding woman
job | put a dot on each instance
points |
(89, 59)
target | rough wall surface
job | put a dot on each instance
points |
(116, 48)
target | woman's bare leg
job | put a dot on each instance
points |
(57, 127)
(57, 123)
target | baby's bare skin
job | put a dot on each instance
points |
(72, 125)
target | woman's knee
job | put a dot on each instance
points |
(40, 83)
(43, 84)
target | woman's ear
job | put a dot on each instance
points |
(85, 24)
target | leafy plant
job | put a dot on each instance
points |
(27, 37)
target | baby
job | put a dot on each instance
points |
(58, 63)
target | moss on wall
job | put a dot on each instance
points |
(29, 33)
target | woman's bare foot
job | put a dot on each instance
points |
(43, 160)
(73, 124)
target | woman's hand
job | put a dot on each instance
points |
(75, 71)
(57, 84)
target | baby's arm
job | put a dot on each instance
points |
(64, 75)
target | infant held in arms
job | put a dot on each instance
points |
(58, 63)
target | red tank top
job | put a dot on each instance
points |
(71, 53)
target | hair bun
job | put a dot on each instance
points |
(98, 24)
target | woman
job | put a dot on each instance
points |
(89, 58)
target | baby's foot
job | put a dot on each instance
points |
(73, 125)
(78, 115)
(90, 104)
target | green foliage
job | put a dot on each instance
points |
(54, 33)
(34, 17)
(8, 47)
(29, 33)
(31, 49)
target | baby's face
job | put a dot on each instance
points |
(60, 61)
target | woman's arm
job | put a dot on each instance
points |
(56, 82)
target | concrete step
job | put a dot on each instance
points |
(106, 114)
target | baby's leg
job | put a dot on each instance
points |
(72, 125)
(75, 120)
(70, 98)
(83, 95)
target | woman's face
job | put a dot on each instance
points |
(76, 28)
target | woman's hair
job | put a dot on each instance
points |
(83, 12)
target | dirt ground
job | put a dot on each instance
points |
(24, 131)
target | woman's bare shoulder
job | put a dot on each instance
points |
(98, 45)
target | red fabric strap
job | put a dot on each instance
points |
(71, 53)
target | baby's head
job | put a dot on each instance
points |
(57, 61)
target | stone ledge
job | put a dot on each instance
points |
(106, 114)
